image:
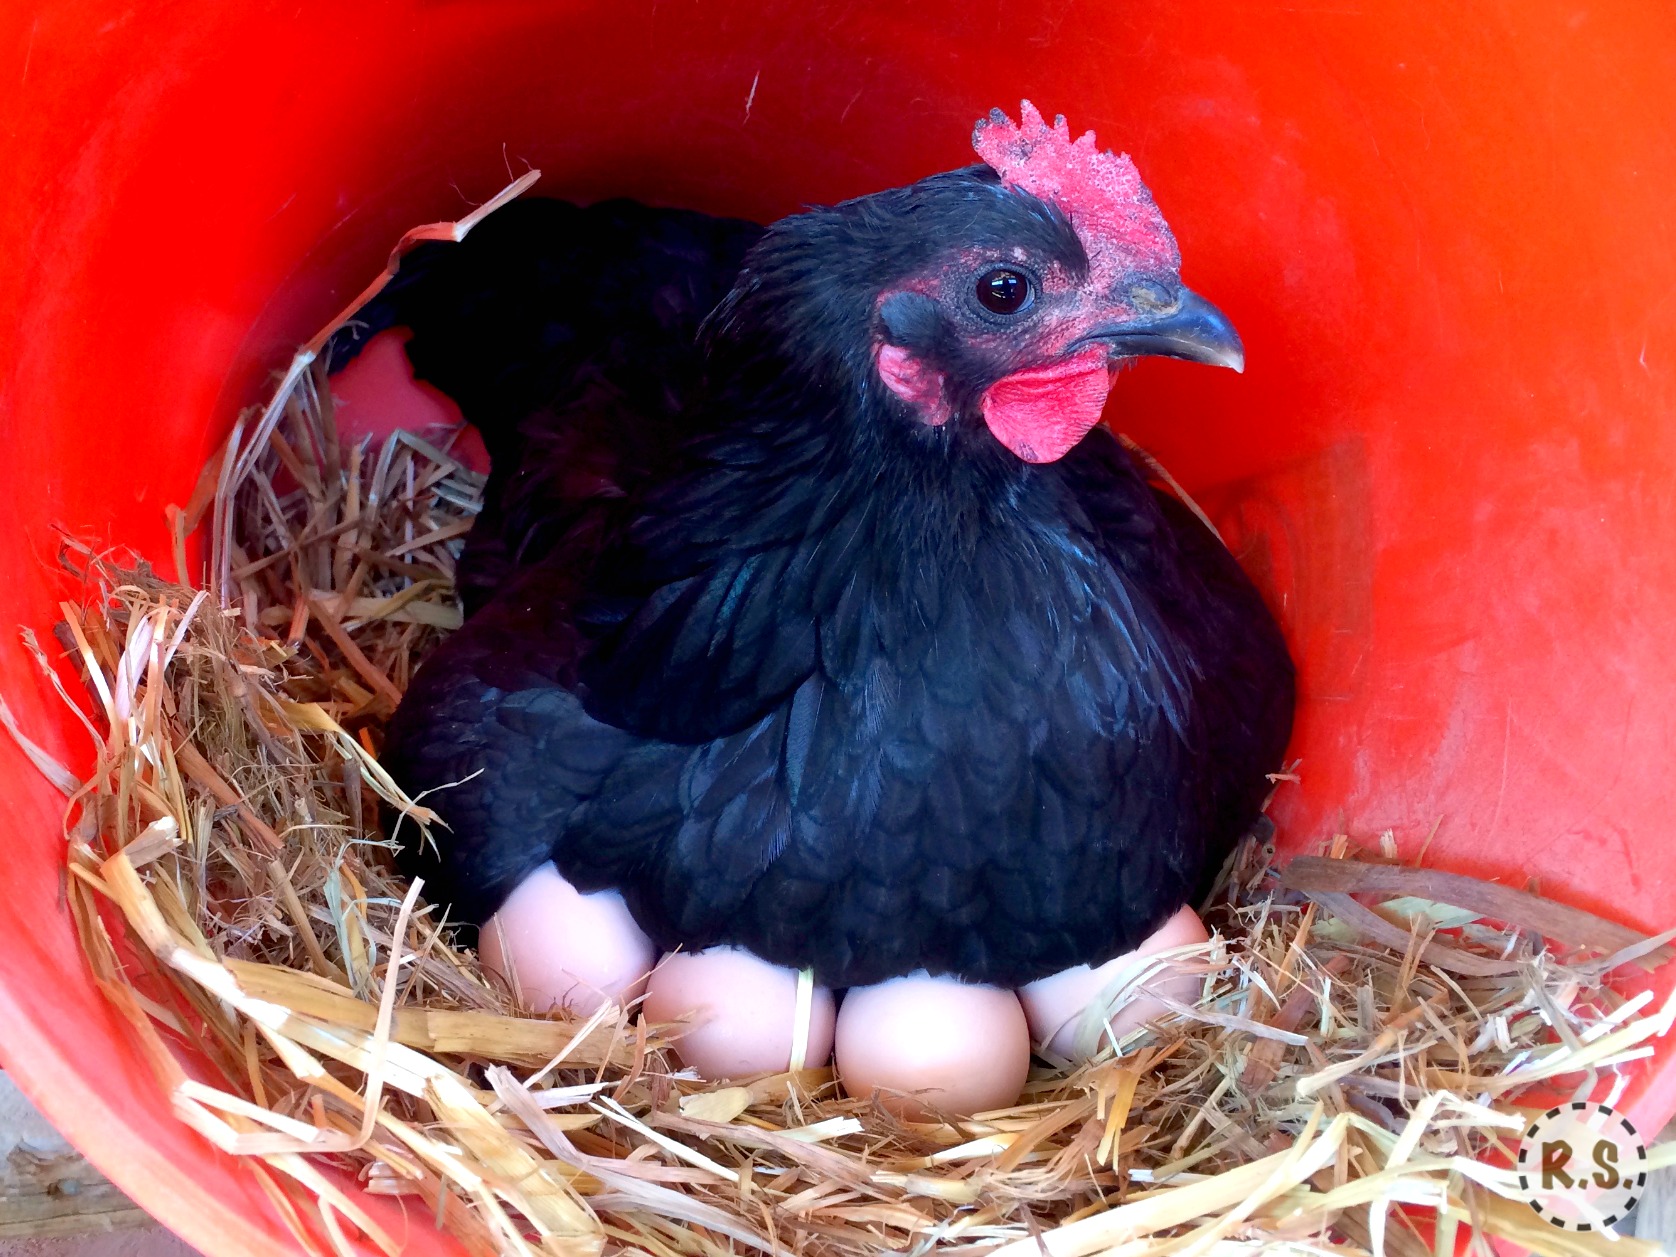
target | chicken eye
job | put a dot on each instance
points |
(1004, 291)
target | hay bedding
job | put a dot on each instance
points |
(1370, 1035)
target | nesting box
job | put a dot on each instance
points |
(1444, 233)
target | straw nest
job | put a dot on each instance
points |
(1370, 1035)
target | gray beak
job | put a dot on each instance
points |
(1195, 330)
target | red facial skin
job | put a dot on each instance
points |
(1041, 412)
(915, 383)
(1042, 409)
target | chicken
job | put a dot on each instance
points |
(811, 609)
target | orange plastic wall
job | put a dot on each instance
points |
(1446, 232)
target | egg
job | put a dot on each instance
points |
(743, 1012)
(560, 948)
(1055, 1005)
(926, 1045)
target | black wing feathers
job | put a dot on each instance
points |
(789, 677)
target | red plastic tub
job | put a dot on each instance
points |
(1444, 230)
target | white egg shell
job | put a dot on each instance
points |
(560, 948)
(743, 1012)
(929, 1044)
(1055, 1004)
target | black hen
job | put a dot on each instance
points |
(799, 635)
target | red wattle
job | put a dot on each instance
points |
(1041, 412)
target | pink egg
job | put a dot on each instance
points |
(559, 948)
(929, 1044)
(743, 1011)
(1055, 1004)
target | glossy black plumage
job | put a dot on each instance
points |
(788, 667)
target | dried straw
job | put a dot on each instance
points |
(1369, 1035)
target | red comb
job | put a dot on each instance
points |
(1100, 190)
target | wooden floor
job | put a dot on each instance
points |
(54, 1204)
(1655, 1217)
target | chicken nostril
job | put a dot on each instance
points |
(1152, 297)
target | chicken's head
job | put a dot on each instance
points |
(1041, 272)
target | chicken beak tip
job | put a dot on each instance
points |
(1194, 330)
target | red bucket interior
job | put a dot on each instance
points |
(1446, 237)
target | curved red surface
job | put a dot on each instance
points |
(1443, 230)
